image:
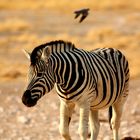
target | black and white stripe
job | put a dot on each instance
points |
(100, 76)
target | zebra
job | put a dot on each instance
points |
(91, 80)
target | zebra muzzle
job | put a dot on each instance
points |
(28, 100)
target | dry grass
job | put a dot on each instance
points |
(13, 24)
(128, 44)
(65, 5)
(18, 32)
(104, 37)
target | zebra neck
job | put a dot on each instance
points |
(68, 71)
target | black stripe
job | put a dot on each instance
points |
(103, 82)
(102, 62)
(73, 76)
(39, 85)
(81, 76)
(67, 71)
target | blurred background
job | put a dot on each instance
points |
(27, 24)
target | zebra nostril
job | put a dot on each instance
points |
(26, 95)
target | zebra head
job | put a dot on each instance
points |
(40, 76)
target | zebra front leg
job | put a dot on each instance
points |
(94, 124)
(83, 121)
(66, 111)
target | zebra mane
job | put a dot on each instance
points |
(56, 46)
(60, 46)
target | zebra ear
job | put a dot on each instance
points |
(46, 53)
(27, 54)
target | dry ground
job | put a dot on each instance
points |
(30, 25)
(42, 121)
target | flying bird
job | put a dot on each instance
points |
(83, 12)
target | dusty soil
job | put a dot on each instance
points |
(28, 28)
(41, 122)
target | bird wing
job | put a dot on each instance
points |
(83, 13)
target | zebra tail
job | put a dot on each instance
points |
(110, 115)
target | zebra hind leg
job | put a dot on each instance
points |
(66, 111)
(117, 109)
(94, 124)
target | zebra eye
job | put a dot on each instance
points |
(40, 74)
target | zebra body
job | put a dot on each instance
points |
(91, 79)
